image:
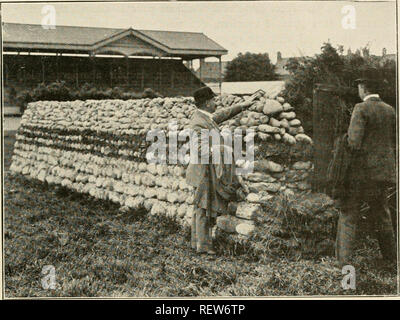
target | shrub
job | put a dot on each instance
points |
(150, 93)
(290, 227)
(332, 67)
(59, 91)
(54, 91)
(22, 100)
(11, 95)
(250, 67)
(117, 93)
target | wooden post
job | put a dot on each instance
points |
(329, 122)
(127, 70)
(42, 61)
(201, 69)
(93, 63)
(76, 74)
(220, 75)
(57, 66)
(191, 70)
(111, 72)
(142, 82)
(159, 71)
(6, 71)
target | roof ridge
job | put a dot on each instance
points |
(39, 25)
(130, 27)
(170, 31)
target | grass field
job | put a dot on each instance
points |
(97, 250)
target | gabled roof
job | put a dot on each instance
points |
(183, 40)
(34, 33)
(85, 39)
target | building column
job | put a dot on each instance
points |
(76, 75)
(127, 70)
(142, 80)
(42, 62)
(111, 72)
(220, 75)
(93, 64)
(5, 71)
(159, 78)
(201, 69)
(192, 78)
(24, 74)
(57, 72)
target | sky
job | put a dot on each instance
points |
(294, 28)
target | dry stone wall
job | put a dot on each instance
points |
(99, 148)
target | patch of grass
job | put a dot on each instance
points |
(99, 251)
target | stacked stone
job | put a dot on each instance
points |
(98, 147)
(283, 155)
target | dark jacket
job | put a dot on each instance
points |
(338, 167)
(372, 139)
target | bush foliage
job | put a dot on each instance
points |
(333, 67)
(250, 67)
(59, 91)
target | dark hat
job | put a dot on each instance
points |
(369, 76)
(203, 94)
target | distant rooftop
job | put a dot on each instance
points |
(272, 88)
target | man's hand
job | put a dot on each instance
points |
(247, 104)
(251, 100)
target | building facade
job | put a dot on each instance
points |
(105, 57)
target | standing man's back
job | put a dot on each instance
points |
(372, 135)
(372, 140)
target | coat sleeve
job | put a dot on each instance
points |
(356, 129)
(227, 113)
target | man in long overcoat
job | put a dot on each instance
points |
(215, 184)
(372, 141)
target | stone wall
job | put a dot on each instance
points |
(99, 148)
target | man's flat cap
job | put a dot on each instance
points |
(203, 94)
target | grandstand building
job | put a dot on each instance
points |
(127, 58)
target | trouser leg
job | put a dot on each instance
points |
(201, 231)
(392, 203)
(383, 227)
(346, 234)
(193, 238)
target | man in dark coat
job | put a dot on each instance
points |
(372, 141)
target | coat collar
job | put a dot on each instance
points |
(373, 97)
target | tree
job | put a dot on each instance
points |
(332, 67)
(250, 67)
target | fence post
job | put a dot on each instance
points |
(328, 124)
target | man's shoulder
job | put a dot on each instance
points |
(383, 108)
(386, 105)
(360, 104)
(199, 119)
(365, 105)
(359, 107)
